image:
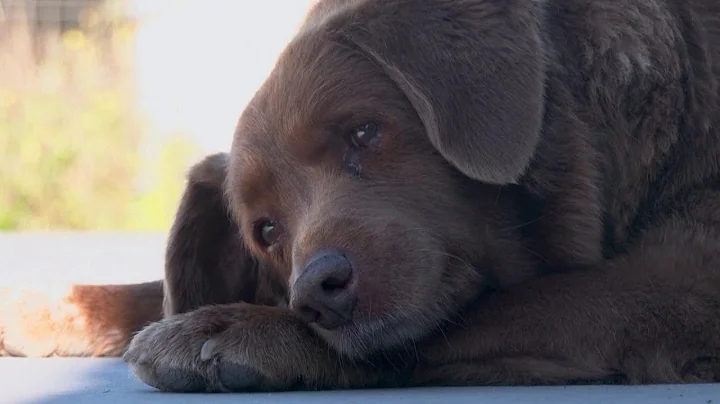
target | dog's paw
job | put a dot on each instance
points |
(220, 348)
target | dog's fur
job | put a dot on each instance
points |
(541, 205)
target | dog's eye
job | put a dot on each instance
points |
(266, 232)
(361, 136)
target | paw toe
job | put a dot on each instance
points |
(164, 377)
(179, 380)
(236, 377)
(171, 379)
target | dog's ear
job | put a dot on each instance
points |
(206, 261)
(473, 71)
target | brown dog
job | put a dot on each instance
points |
(439, 192)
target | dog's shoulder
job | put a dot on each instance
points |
(637, 80)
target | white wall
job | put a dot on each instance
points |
(200, 61)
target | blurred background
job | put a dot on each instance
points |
(104, 105)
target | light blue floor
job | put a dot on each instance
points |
(77, 381)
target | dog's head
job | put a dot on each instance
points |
(369, 168)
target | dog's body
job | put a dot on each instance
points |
(458, 192)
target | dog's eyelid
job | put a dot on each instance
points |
(346, 121)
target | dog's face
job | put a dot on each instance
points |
(350, 171)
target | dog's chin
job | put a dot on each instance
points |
(364, 337)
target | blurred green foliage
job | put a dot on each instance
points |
(71, 135)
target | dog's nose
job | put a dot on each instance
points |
(324, 293)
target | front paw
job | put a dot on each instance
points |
(222, 348)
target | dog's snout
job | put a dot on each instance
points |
(324, 293)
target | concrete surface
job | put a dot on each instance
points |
(121, 258)
(78, 381)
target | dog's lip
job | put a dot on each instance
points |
(344, 320)
(364, 335)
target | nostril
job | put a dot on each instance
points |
(331, 271)
(334, 284)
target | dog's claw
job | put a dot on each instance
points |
(236, 377)
(143, 359)
(208, 349)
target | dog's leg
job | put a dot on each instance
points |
(244, 347)
(650, 316)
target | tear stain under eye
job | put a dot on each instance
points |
(352, 161)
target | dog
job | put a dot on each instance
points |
(445, 193)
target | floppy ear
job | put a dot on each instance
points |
(206, 260)
(473, 70)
